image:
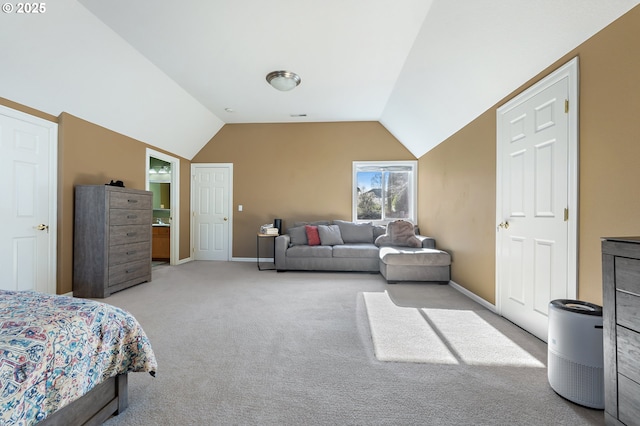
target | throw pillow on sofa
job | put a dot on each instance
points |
(400, 233)
(298, 236)
(313, 236)
(330, 235)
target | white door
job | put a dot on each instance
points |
(28, 164)
(536, 162)
(211, 198)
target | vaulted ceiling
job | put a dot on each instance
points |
(173, 73)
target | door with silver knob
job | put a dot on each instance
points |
(211, 212)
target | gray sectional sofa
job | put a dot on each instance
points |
(348, 246)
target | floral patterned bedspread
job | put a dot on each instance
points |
(54, 349)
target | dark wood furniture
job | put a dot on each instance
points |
(112, 239)
(621, 322)
(95, 407)
(161, 246)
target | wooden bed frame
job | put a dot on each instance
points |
(95, 407)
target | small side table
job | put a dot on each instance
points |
(273, 241)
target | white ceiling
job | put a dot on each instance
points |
(164, 72)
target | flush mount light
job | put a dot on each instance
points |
(283, 80)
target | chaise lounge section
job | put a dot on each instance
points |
(414, 264)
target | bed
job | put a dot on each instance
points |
(64, 360)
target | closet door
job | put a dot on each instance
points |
(28, 210)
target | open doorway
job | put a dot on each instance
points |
(163, 172)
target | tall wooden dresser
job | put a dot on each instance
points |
(621, 322)
(112, 239)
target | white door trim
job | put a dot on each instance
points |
(570, 70)
(53, 188)
(194, 166)
(174, 232)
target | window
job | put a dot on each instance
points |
(384, 191)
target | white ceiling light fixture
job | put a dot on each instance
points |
(283, 80)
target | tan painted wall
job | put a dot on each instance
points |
(92, 155)
(457, 179)
(294, 171)
(28, 110)
(456, 203)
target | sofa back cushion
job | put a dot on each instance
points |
(330, 235)
(355, 232)
(298, 236)
(315, 222)
(379, 230)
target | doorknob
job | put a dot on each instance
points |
(225, 219)
(504, 225)
(42, 227)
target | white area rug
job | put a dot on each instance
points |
(443, 336)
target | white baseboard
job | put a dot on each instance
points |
(253, 259)
(234, 259)
(473, 296)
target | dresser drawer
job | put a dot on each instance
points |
(128, 253)
(628, 401)
(129, 217)
(129, 271)
(628, 348)
(628, 310)
(127, 234)
(126, 200)
(628, 275)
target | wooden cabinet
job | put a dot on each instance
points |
(112, 239)
(621, 322)
(161, 246)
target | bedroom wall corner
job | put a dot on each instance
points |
(93, 155)
(456, 203)
(294, 171)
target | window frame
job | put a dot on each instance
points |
(413, 190)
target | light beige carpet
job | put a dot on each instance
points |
(238, 346)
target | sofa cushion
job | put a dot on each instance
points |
(313, 238)
(355, 232)
(309, 251)
(409, 256)
(298, 236)
(357, 250)
(330, 235)
(399, 233)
